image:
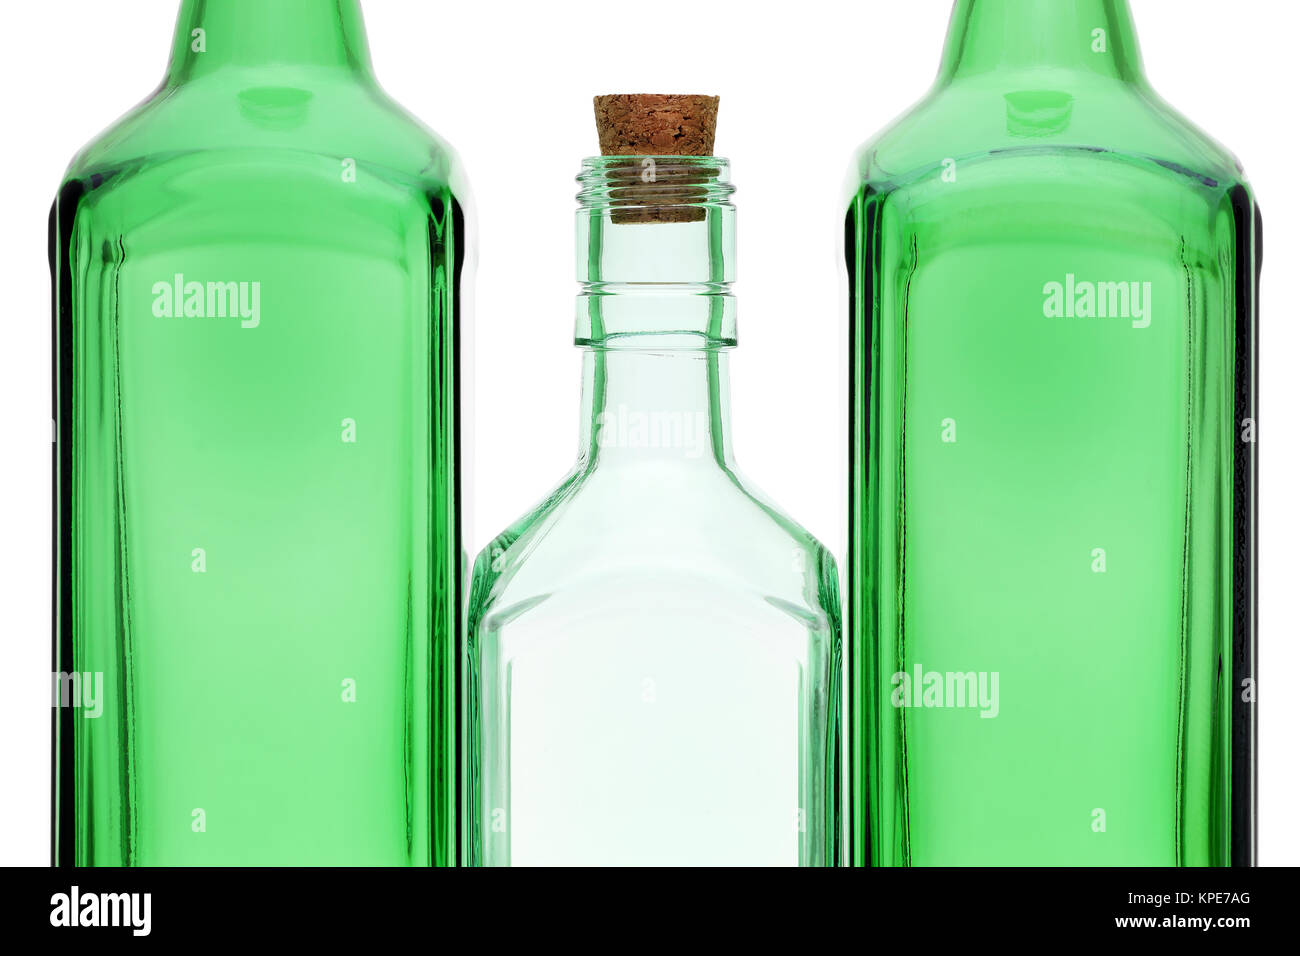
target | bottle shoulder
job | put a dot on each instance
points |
(997, 118)
(609, 532)
(217, 115)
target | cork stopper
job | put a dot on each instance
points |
(658, 125)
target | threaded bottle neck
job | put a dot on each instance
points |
(656, 253)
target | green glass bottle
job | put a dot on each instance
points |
(654, 658)
(258, 280)
(1053, 282)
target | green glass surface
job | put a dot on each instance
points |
(654, 651)
(1053, 283)
(257, 276)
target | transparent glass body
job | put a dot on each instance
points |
(258, 279)
(654, 650)
(1053, 279)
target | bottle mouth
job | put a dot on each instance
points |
(656, 240)
(654, 189)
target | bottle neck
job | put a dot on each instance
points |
(217, 35)
(1041, 36)
(642, 407)
(656, 254)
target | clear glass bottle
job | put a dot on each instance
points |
(654, 650)
(259, 274)
(1052, 568)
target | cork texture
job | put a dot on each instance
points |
(661, 125)
(656, 124)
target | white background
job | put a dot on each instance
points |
(510, 85)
